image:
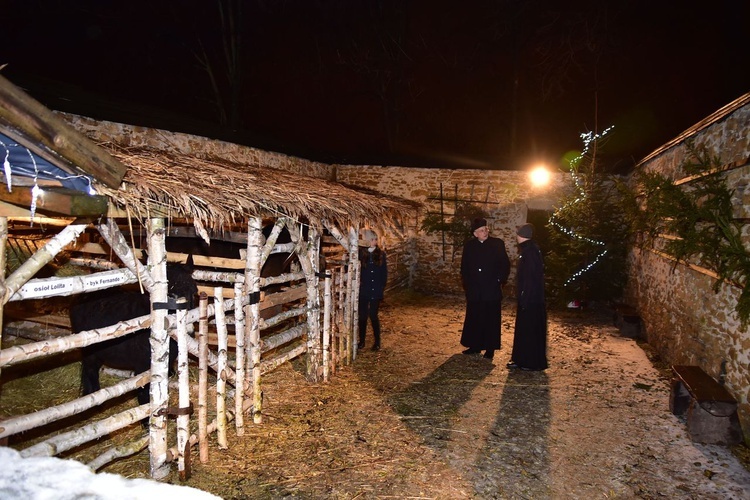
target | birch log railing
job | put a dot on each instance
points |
(262, 342)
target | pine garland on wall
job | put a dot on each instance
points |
(694, 222)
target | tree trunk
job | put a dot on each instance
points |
(252, 287)
(157, 260)
(221, 384)
(239, 340)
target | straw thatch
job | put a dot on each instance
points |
(217, 192)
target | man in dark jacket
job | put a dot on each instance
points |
(372, 281)
(530, 336)
(484, 270)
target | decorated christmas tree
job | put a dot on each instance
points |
(588, 235)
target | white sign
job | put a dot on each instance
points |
(53, 287)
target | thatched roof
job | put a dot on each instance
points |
(217, 192)
(212, 192)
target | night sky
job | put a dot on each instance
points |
(465, 84)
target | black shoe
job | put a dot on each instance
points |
(471, 352)
(376, 347)
(512, 364)
(489, 354)
(360, 346)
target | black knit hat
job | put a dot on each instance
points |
(526, 231)
(477, 223)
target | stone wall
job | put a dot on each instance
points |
(417, 259)
(683, 318)
(505, 195)
(200, 147)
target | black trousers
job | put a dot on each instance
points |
(369, 309)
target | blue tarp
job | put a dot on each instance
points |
(25, 163)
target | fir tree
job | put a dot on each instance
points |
(588, 235)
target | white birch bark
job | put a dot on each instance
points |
(252, 286)
(275, 320)
(116, 452)
(271, 364)
(314, 337)
(183, 421)
(27, 352)
(239, 349)
(115, 239)
(353, 290)
(342, 330)
(337, 234)
(54, 287)
(203, 378)
(281, 279)
(221, 384)
(159, 350)
(327, 328)
(279, 339)
(69, 440)
(41, 257)
(3, 242)
(270, 243)
(22, 423)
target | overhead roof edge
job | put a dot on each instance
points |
(30, 123)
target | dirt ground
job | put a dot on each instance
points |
(420, 420)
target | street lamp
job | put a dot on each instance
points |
(539, 176)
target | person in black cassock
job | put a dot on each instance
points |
(373, 277)
(484, 270)
(530, 335)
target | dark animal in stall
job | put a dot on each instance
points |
(132, 352)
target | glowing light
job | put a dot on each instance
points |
(588, 139)
(540, 176)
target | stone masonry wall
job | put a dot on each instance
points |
(505, 195)
(683, 318)
(200, 147)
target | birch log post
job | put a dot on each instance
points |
(344, 329)
(252, 314)
(203, 378)
(268, 246)
(353, 290)
(327, 327)
(40, 258)
(305, 256)
(343, 341)
(183, 420)
(110, 231)
(239, 363)
(159, 350)
(3, 241)
(314, 337)
(221, 383)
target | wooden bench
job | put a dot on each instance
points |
(711, 410)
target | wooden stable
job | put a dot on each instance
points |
(152, 193)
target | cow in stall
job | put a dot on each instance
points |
(131, 352)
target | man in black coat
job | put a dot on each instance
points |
(530, 335)
(484, 270)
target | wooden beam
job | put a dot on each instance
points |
(32, 124)
(57, 201)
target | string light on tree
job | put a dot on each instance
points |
(588, 139)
